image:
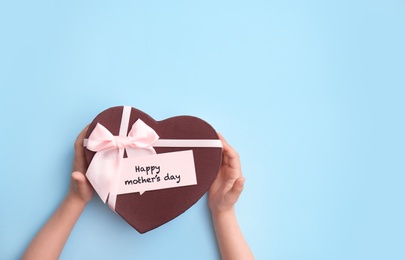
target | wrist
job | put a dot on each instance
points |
(75, 200)
(223, 213)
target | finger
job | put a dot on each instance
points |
(79, 141)
(217, 182)
(236, 190)
(79, 162)
(223, 140)
(230, 156)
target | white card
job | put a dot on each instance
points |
(159, 171)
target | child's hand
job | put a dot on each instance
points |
(80, 187)
(50, 240)
(228, 185)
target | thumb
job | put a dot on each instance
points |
(81, 186)
(237, 188)
(79, 178)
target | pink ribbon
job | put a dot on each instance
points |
(110, 152)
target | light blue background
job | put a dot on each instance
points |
(310, 93)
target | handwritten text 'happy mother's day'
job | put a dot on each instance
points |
(159, 171)
(152, 173)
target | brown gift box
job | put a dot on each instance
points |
(155, 208)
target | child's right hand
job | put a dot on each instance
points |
(51, 238)
(80, 187)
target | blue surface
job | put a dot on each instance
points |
(310, 93)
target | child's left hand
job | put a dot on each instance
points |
(228, 185)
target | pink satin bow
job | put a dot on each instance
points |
(105, 165)
(140, 136)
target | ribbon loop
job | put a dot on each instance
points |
(142, 135)
(100, 139)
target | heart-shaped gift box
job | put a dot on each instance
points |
(153, 208)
